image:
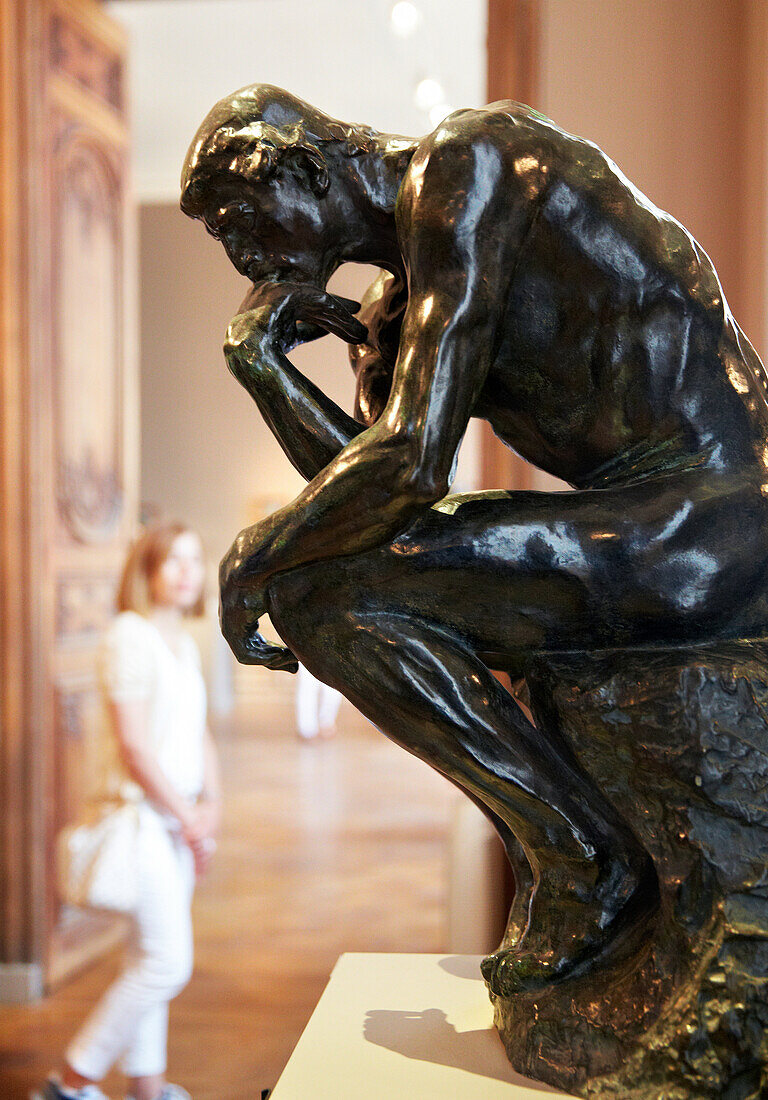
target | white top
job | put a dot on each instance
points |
(136, 662)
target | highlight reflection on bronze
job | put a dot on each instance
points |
(526, 282)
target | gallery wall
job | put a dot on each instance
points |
(344, 56)
(674, 91)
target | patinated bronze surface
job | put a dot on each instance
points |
(527, 282)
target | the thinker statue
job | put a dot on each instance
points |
(525, 281)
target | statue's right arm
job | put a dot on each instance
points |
(308, 425)
(460, 251)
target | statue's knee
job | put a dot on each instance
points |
(296, 592)
(285, 593)
(305, 606)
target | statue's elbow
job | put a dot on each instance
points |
(414, 480)
(423, 486)
(246, 350)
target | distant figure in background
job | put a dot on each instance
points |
(160, 755)
(317, 706)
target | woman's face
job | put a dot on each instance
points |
(179, 581)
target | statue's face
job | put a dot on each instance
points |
(270, 231)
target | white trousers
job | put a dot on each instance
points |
(131, 1020)
(316, 704)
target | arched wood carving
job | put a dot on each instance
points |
(88, 337)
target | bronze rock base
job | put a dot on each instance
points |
(678, 739)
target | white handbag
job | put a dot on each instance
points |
(98, 861)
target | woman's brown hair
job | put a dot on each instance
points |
(143, 563)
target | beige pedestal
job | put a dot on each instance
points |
(411, 1027)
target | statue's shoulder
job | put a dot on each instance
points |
(509, 128)
(505, 123)
(505, 148)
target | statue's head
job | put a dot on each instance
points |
(260, 132)
(258, 140)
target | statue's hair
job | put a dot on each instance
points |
(260, 131)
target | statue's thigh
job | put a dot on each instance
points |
(502, 574)
(529, 571)
(670, 558)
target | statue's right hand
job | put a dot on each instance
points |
(282, 315)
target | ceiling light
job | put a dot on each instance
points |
(428, 93)
(405, 18)
(439, 112)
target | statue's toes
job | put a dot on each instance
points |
(564, 943)
(488, 969)
(508, 972)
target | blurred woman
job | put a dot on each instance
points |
(160, 755)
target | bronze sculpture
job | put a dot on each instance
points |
(527, 282)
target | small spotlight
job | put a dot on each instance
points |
(405, 18)
(428, 94)
(439, 112)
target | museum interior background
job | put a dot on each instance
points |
(115, 405)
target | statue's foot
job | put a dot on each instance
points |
(517, 920)
(572, 929)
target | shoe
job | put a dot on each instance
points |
(300, 736)
(53, 1090)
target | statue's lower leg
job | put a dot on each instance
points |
(593, 881)
(579, 916)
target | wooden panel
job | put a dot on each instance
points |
(87, 342)
(94, 409)
(68, 437)
(84, 605)
(75, 751)
(513, 51)
(85, 58)
(15, 907)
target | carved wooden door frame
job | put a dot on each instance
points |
(69, 475)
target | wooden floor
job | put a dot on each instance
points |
(327, 847)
